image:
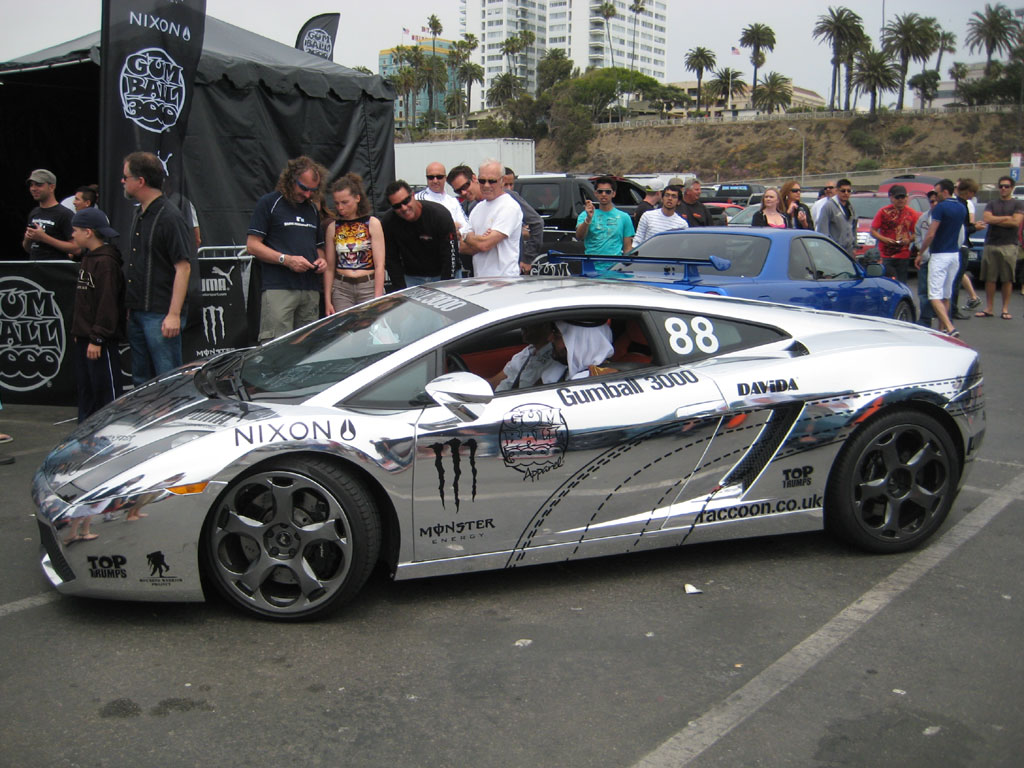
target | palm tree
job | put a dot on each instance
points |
(607, 12)
(412, 56)
(776, 92)
(925, 85)
(995, 30)
(404, 80)
(727, 83)
(504, 88)
(470, 72)
(637, 7)
(699, 60)
(435, 75)
(455, 103)
(758, 38)
(434, 25)
(839, 28)
(875, 73)
(907, 37)
(860, 41)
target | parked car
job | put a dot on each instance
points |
(559, 199)
(788, 266)
(736, 193)
(722, 213)
(916, 183)
(280, 476)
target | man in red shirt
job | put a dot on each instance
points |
(893, 228)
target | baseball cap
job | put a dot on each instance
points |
(677, 181)
(42, 176)
(897, 189)
(655, 186)
(94, 219)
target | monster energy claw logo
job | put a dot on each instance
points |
(213, 324)
(456, 446)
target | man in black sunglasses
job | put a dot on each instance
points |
(420, 239)
(435, 193)
(495, 226)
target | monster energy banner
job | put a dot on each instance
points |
(150, 52)
(222, 324)
(317, 35)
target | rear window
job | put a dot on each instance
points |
(746, 253)
(544, 197)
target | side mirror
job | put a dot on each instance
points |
(874, 270)
(464, 394)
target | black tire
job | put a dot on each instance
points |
(905, 312)
(295, 540)
(893, 483)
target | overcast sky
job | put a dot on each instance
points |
(366, 28)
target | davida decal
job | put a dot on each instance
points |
(455, 447)
(533, 439)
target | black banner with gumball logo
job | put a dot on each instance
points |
(318, 35)
(150, 53)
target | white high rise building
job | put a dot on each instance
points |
(573, 25)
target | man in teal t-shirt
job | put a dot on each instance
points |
(604, 229)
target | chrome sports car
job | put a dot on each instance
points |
(279, 476)
(788, 266)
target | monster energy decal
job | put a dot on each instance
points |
(455, 445)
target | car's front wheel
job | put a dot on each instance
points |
(905, 312)
(893, 483)
(293, 540)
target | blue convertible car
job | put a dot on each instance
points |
(788, 266)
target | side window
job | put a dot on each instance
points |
(404, 388)
(691, 337)
(799, 261)
(830, 262)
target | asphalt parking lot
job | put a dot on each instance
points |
(799, 651)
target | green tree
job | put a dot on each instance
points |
(957, 73)
(404, 81)
(727, 84)
(365, 70)
(553, 68)
(994, 30)
(455, 104)
(945, 44)
(504, 88)
(775, 93)
(636, 8)
(470, 72)
(412, 57)
(875, 73)
(843, 31)
(434, 25)
(758, 38)
(908, 37)
(571, 131)
(925, 85)
(607, 12)
(699, 60)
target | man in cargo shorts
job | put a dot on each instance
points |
(999, 258)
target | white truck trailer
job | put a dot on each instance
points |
(411, 159)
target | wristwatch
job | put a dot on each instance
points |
(280, 259)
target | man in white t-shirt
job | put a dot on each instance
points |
(661, 219)
(435, 193)
(495, 226)
(829, 191)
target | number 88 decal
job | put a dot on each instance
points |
(703, 335)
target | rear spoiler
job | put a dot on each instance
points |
(556, 264)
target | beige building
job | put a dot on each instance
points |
(803, 98)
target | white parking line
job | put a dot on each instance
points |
(702, 733)
(28, 602)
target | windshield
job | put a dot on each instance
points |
(304, 363)
(746, 253)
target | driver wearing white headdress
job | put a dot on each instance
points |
(583, 347)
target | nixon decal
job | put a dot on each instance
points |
(533, 439)
(596, 393)
(152, 89)
(107, 567)
(456, 447)
(149, 21)
(792, 478)
(259, 434)
(766, 387)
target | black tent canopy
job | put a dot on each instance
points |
(257, 103)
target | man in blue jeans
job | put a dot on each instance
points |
(159, 259)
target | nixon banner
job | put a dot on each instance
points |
(150, 53)
(317, 35)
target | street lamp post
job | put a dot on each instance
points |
(803, 154)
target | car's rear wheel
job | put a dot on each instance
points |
(292, 541)
(893, 483)
(905, 312)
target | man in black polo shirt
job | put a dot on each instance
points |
(284, 234)
(691, 208)
(420, 239)
(48, 235)
(159, 262)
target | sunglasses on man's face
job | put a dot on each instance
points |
(603, 191)
(1006, 186)
(402, 203)
(462, 190)
(303, 187)
(435, 176)
(488, 181)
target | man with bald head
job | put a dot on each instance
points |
(495, 225)
(435, 193)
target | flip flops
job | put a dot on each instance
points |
(1006, 316)
(983, 314)
(5, 438)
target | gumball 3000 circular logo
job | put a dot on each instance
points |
(31, 334)
(319, 43)
(152, 89)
